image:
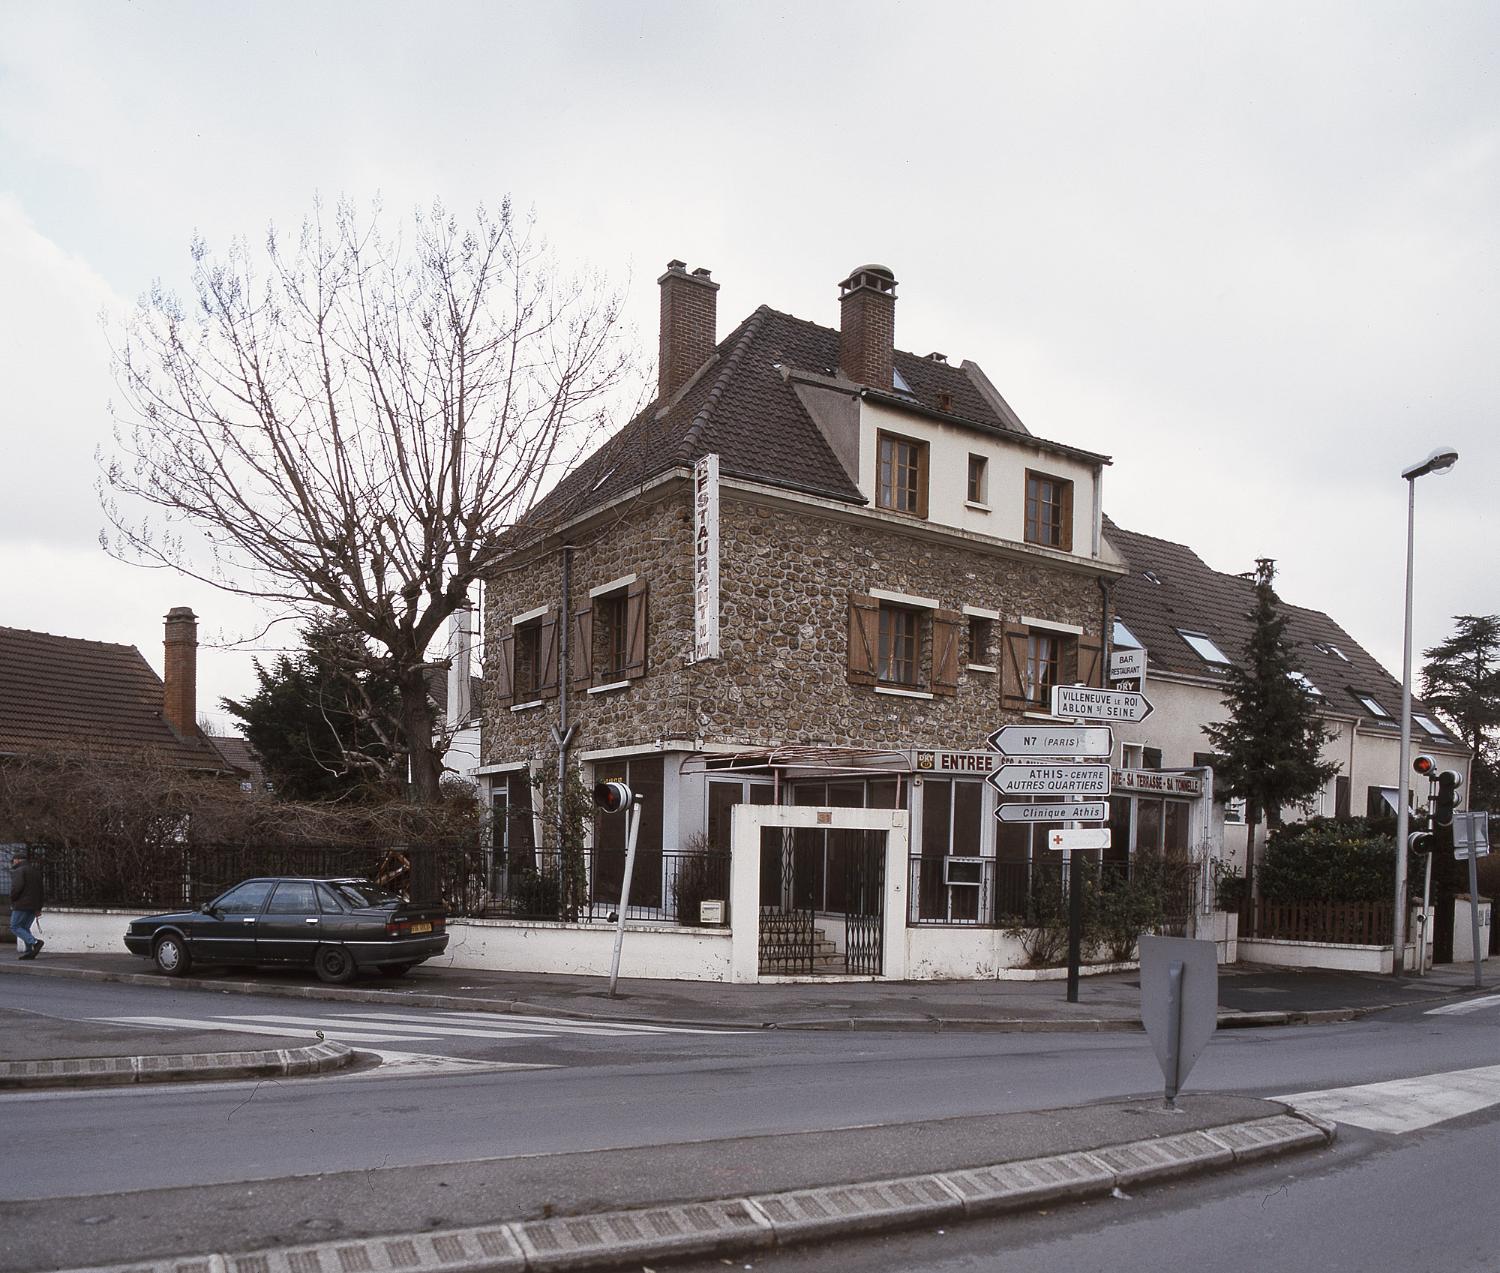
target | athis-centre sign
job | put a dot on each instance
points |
(1050, 780)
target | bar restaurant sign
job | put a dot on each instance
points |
(706, 559)
(1154, 782)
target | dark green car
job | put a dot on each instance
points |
(338, 927)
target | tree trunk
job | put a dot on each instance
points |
(424, 770)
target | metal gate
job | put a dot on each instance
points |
(814, 880)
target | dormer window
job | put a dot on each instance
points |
(1123, 638)
(899, 382)
(1204, 647)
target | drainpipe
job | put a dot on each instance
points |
(562, 732)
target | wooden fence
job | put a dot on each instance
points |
(1341, 923)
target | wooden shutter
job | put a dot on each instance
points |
(505, 671)
(945, 627)
(547, 653)
(1013, 667)
(635, 630)
(581, 653)
(1090, 661)
(864, 638)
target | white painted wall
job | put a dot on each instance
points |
(584, 950)
(948, 451)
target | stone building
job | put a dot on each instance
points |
(818, 570)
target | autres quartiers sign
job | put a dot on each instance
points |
(706, 558)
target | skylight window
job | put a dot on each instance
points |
(1124, 638)
(1204, 647)
(899, 381)
(1306, 684)
(1374, 708)
(1430, 725)
(1327, 647)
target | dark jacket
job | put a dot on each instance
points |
(25, 887)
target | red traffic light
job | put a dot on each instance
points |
(612, 796)
(1425, 765)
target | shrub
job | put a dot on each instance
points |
(537, 895)
(1128, 906)
(1328, 859)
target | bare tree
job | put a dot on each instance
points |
(356, 429)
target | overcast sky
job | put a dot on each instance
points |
(1248, 250)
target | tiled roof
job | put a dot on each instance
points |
(61, 691)
(1170, 589)
(240, 755)
(742, 407)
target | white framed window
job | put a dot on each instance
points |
(1203, 646)
(1374, 708)
(1234, 812)
(1429, 726)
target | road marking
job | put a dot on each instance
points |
(373, 1034)
(1404, 1105)
(411, 1064)
(1462, 1009)
(548, 1025)
(336, 1026)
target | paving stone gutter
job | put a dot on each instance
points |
(739, 1226)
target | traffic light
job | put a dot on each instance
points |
(1425, 765)
(612, 796)
(1448, 783)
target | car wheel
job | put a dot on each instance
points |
(334, 965)
(395, 970)
(171, 955)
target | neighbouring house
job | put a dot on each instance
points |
(812, 576)
(456, 693)
(62, 693)
(1192, 621)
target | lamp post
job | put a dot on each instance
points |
(1440, 461)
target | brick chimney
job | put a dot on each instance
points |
(867, 326)
(689, 325)
(180, 675)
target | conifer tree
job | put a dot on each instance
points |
(1461, 681)
(1270, 747)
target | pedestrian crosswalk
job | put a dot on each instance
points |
(1463, 1008)
(406, 1027)
(1404, 1105)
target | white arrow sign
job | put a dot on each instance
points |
(1050, 780)
(1054, 740)
(1083, 703)
(1084, 838)
(1083, 811)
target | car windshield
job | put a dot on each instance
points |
(360, 893)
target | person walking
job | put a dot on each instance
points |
(25, 903)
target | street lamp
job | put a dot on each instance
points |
(1440, 461)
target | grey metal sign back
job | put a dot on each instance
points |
(1179, 1003)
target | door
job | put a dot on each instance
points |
(226, 933)
(289, 929)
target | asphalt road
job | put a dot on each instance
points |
(448, 1100)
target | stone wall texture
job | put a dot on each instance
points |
(786, 575)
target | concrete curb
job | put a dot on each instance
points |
(460, 1003)
(103, 1071)
(615, 1239)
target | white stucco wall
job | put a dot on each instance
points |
(948, 451)
(648, 951)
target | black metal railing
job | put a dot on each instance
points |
(185, 875)
(980, 892)
(583, 885)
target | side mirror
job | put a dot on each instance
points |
(207, 908)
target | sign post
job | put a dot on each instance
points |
(1083, 703)
(1471, 840)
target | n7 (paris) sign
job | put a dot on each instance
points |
(1083, 703)
(1053, 740)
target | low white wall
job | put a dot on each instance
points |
(1317, 954)
(672, 953)
(960, 954)
(675, 953)
(83, 932)
(1223, 929)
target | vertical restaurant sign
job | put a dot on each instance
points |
(706, 558)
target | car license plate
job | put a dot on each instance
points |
(421, 928)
